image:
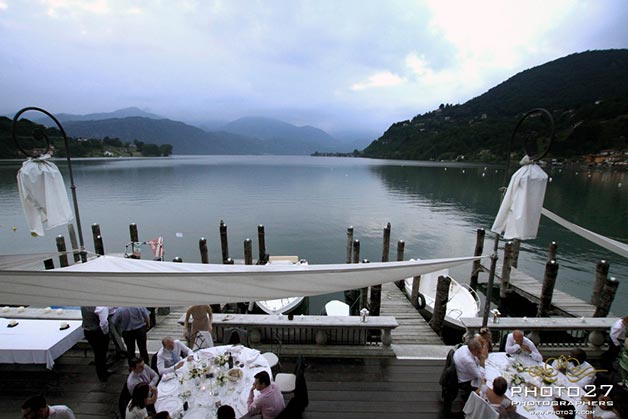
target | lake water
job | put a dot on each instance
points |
(306, 204)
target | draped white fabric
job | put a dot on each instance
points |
(115, 281)
(43, 195)
(520, 211)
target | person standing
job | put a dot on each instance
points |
(269, 403)
(468, 367)
(37, 408)
(134, 322)
(96, 331)
(202, 321)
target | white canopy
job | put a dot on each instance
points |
(115, 281)
(520, 211)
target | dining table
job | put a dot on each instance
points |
(533, 385)
(206, 381)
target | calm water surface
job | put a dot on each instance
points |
(306, 204)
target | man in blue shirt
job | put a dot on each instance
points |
(134, 322)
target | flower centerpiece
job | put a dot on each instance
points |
(221, 360)
(518, 380)
(519, 367)
(222, 379)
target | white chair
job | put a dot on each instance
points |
(478, 408)
(286, 382)
(203, 340)
(273, 360)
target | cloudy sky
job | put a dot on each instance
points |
(335, 64)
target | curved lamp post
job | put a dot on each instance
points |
(536, 152)
(39, 134)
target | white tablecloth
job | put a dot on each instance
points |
(37, 341)
(204, 393)
(499, 364)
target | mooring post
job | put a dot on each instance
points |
(224, 245)
(414, 293)
(440, 304)
(479, 248)
(547, 289)
(506, 268)
(261, 240)
(98, 243)
(376, 290)
(364, 293)
(133, 233)
(350, 244)
(551, 252)
(63, 257)
(400, 249)
(386, 244)
(516, 246)
(601, 274)
(606, 297)
(248, 252)
(73, 242)
(202, 247)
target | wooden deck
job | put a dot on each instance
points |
(563, 304)
(338, 388)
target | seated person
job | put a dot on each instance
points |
(140, 373)
(140, 398)
(470, 371)
(269, 401)
(36, 407)
(162, 415)
(169, 356)
(516, 343)
(225, 412)
(577, 367)
(486, 339)
(496, 396)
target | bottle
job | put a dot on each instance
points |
(230, 361)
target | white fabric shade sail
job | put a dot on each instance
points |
(520, 211)
(115, 281)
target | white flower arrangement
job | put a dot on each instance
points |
(221, 360)
(519, 367)
(518, 380)
(222, 379)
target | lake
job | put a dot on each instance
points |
(307, 203)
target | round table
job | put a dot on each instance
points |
(204, 382)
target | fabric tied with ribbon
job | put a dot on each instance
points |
(43, 195)
(520, 211)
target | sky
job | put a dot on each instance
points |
(339, 65)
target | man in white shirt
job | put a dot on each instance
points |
(37, 408)
(169, 356)
(96, 331)
(517, 344)
(467, 362)
(617, 336)
(140, 373)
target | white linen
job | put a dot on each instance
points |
(478, 408)
(514, 348)
(618, 332)
(520, 211)
(116, 281)
(43, 195)
(203, 393)
(37, 341)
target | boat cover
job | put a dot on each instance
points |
(116, 281)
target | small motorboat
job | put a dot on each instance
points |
(282, 305)
(337, 308)
(463, 300)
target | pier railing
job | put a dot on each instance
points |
(550, 334)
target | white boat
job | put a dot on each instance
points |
(337, 308)
(282, 305)
(463, 300)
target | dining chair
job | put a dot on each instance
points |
(478, 408)
(202, 340)
(287, 383)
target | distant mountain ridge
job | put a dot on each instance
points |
(120, 113)
(587, 93)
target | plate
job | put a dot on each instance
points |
(234, 374)
(168, 387)
(171, 405)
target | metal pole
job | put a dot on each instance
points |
(67, 154)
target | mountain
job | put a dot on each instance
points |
(587, 94)
(120, 113)
(280, 135)
(185, 139)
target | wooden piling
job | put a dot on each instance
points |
(440, 304)
(73, 242)
(549, 280)
(601, 275)
(49, 264)
(551, 252)
(98, 243)
(506, 269)
(248, 252)
(63, 257)
(400, 250)
(202, 246)
(606, 297)
(224, 245)
(261, 240)
(386, 244)
(516, 247)
(349, 244)
(376, 290)
(414, 293)
(133, 233)
(479, 248)
(356, 251)
(364, 293)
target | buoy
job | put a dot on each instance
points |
(421, 301)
